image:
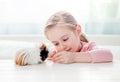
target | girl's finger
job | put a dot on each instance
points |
(58, 54)
(59, 61)
(51, 55)
(57, 58)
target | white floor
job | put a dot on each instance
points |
(51, 72)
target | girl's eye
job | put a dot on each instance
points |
(65, 39)
(56, 44)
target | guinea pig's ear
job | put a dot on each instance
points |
(43, 47)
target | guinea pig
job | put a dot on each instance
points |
(30, 56)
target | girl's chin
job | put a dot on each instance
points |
(78, 50)
(73, 50)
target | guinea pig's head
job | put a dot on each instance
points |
(30, 56)
(43, 52)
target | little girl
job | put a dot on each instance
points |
(71, 45)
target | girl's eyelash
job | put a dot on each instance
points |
(65, 39)
(56, 44)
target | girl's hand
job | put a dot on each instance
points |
(63, 57)
(51, 55)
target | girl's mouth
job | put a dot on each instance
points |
(68, 49)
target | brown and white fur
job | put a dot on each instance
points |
(29, 56)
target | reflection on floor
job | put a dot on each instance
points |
(52, 72)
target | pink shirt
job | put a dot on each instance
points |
(97, 54)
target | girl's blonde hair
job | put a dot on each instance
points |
(64, 18)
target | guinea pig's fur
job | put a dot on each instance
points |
(29, 56)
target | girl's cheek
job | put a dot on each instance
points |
(58, 49)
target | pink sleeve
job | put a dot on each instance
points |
(101, 55)
(97, 54)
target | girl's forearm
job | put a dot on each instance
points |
(82, 57)
(96, 56)
(101, 55)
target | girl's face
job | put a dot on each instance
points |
(64, 38)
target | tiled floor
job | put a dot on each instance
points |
(51, 72)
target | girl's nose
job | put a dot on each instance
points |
(62, 47)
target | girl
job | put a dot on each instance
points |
(72, 46)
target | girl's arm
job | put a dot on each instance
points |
(82, 57)
(96, 56)
(101, 55)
